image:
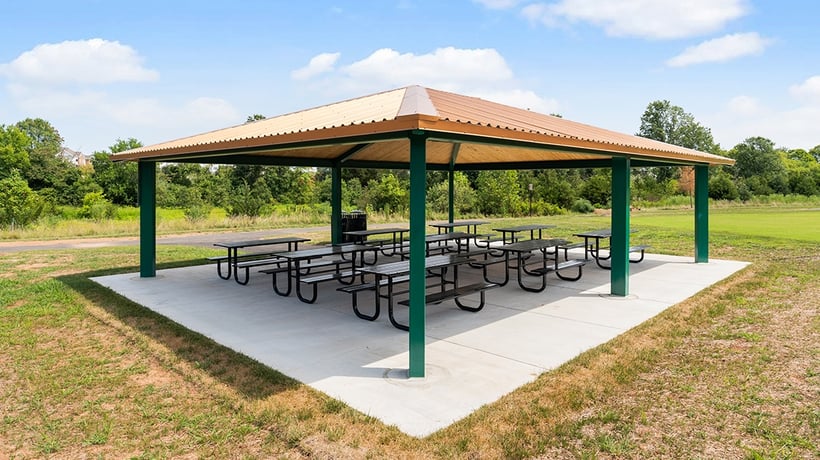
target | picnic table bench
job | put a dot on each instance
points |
(299, 268)
(233, 258)
(594, 249)
(390, 274)
(547, 263)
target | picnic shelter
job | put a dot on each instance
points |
(423, 129)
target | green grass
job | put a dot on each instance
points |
(730, 373)
(778, 223)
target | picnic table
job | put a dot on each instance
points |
(254, 259)
(449, 226)
(547, 263)
(513, 231)
(395, 243)
(311, 267)
(594, 249)
(388, 275)
(440, 242)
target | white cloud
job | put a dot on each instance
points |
(68, 84)
(481, 73)
(721, 49)
(80, 114)
(791, 127)
(808, 91)
(498, 4)
(744, 106)
(654, 19)
(441, 68)
(319, 64)
(94, 61)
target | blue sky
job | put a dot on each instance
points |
(160, 70)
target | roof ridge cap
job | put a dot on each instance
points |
(417, 101)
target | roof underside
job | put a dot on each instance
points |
(373, 131)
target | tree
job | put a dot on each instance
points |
(48, 169)
(389, 194)
(19, 205)
(759, 164)
(721, 187)
(669, 123)
(598, 188)
(815, 152)
(498, 192)
(248, 201)
(464, 197)
(13, 153)
(118, 180)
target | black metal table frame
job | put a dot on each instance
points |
(233, 248)
(295, 271)
(595, 249)
(442, 226)
(527, 247)
(390, 271)
(522, 228)
(462, 247)
(397, 238)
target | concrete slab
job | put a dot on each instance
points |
(472, 358)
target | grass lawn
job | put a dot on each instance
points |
(733, 372)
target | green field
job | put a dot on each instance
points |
(792, 224)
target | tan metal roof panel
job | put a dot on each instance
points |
(414, 107)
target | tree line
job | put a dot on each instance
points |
(37, 179)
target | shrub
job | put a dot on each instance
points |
(97, 207)
(197, 212)
(249, 201)
(19, 205)
(721, 187)
(583, 206)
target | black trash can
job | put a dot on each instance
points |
(353, 221)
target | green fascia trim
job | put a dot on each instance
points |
(532, 165)
(262, 160)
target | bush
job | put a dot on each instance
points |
(19, 205)
(583, 206)
(197, 212)
(249, 201)
(97, 207)
(721, 187)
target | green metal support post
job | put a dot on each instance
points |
(418, 225)
(701, 214)
(147, 182)
(620, 227)
(336, 204)
(451, 187)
